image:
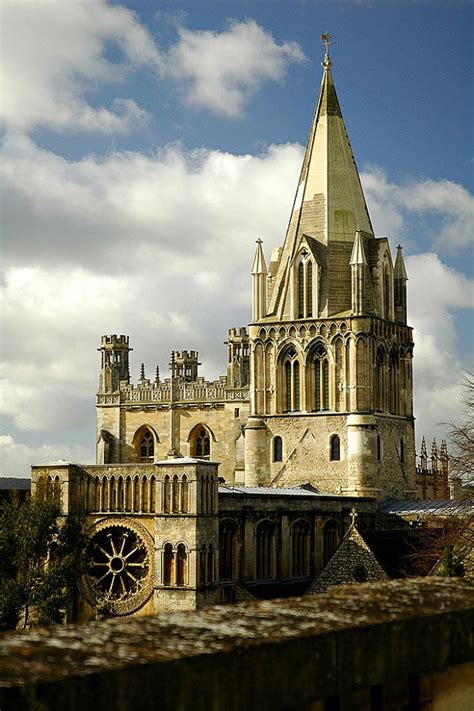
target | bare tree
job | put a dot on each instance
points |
(461, 455)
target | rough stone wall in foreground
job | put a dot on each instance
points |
(403, 644)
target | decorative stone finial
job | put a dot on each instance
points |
(353, 515)
(326, 39)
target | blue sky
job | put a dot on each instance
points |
(145, 146)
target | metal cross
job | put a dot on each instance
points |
(326, 38)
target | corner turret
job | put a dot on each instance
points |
(115, 362)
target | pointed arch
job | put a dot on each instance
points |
(144, 443)
(318, 384)
(289, 379)
(300, 548)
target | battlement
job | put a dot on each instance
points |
(186, 355)
(238, 333)
(114, 341)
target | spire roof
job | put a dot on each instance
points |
(259, 265)
(329, 204)
(399, 270)
(358, 252)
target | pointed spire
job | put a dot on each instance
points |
(329, 203)
(358, 252)
(424, 455)
(434, 456)
(142, 371)
(399, 270)
(157, 374)
(259, 265)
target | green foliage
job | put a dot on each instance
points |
(452, 565)
(41, 561)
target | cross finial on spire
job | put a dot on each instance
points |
(353, 516)
(326, 39)
(259, 241)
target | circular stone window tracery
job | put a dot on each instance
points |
(119, 567)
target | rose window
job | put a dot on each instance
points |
(118, 571)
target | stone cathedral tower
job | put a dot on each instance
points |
(331, 353)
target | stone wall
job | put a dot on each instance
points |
(399, 645)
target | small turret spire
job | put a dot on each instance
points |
(399, 270)
(400, 279)
(142, 371)
(358, 264)
(259, 284)
(424, 455)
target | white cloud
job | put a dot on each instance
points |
(16, 457)
(435, 292)
(222, 69)
(107, 213)
(54, 58)
(128, 243)
(390, 205)
(57, 57)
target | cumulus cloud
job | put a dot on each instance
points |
(126, 244)
(141, 244)
(56, 58)
(436, 292)
(16, 458)
(391, 204)
(108, 212)
(222, 69)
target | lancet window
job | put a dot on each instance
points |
(321, 380)
(304, 286)
(291, 372)
(228, 551)
(299, 549)
(146, 446)
(335, 448)
(277, 449)
(330, 540)
(265, 550)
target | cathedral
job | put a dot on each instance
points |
(209, 492)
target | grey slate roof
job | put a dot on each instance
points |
(464, 507)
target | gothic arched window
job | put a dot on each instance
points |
(168, 564)
(335, 448)
(228, 552)
(146, 446)
(330, 540)
(277, 449)
(301, 290)
(387, 283)
(379, 381)
(200, 443)
(181, 564)
(291, 382)
(321, 380)
(299, 549)
(265, 550)
(309, 289)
